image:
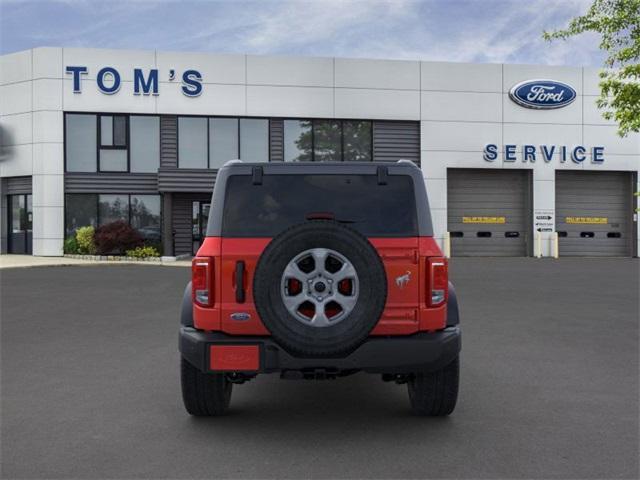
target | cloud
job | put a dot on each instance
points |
(455, 30)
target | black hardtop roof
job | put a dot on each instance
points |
(381, 169)
(404, 167)
(240, 163)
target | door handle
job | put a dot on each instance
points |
(240, 281)
(413, 256)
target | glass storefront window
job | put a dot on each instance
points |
(20, 223)
(199, 219)
(120, 131)
(29, 216)
(144, 143)
(357, 141)
(113, 131)
(112, 208)
(254, 140)
(17, 213)
(297, 141)
(327, 141)
(142, 212)
(81, 210)
(145, 217)
(80, 143)
(192, 142)
(113, 143)
(106, 131)
(223, 141)
(113, 160)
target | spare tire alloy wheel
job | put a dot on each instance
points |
(320, 288)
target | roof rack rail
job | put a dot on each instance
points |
(232, 162)
(407, 162)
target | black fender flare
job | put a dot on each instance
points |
(453, 314)
(186, 309)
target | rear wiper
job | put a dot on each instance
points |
(327, 216)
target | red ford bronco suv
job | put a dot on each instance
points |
(319, 270)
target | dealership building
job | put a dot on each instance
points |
(517, 159)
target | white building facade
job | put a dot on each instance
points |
(91, 136)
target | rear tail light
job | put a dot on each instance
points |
(438, 281)
(201, 274)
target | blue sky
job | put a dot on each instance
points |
(455, 30)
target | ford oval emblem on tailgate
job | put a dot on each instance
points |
(240, 316)
(542, 94)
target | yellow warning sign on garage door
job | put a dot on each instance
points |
(484, 220)
(587, 220)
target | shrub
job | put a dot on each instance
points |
(70, 245)
(84, 238)
(116, 238)
(142, 252)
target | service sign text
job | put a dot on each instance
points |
(544, 153)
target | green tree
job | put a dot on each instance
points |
(618, 23)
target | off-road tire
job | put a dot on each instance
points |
(434, 394)
(204, 394)
(334, 340)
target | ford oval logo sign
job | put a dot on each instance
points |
(542, 94)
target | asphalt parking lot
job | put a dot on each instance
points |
(549, 386)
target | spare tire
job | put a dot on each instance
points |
(320, 287)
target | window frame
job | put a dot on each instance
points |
(341, 121)
(153, 115)
(64, 138)
(239, 135)
(98, 116)
(178, 140)
(268, 119)
(121, 194)
(237, 119)
(113, 147)
(370, 134)
(284, 142)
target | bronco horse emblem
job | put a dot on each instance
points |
(402, 280)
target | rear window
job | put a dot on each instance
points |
(285, 200)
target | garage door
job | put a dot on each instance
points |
(488, 212)
(593, 213)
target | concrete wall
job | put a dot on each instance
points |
(32, 142)
(462, 107)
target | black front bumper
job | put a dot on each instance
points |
(389, 354)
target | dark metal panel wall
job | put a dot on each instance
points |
(18, 185)
(583, 199)
(276, 140)
(395, 140)
(477, 202)
(110, 183)
(168, 141)
(186, 180)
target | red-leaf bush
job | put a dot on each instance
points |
(116, 238)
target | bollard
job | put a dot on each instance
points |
(555, 249)
(447, 245)
(538, 246)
